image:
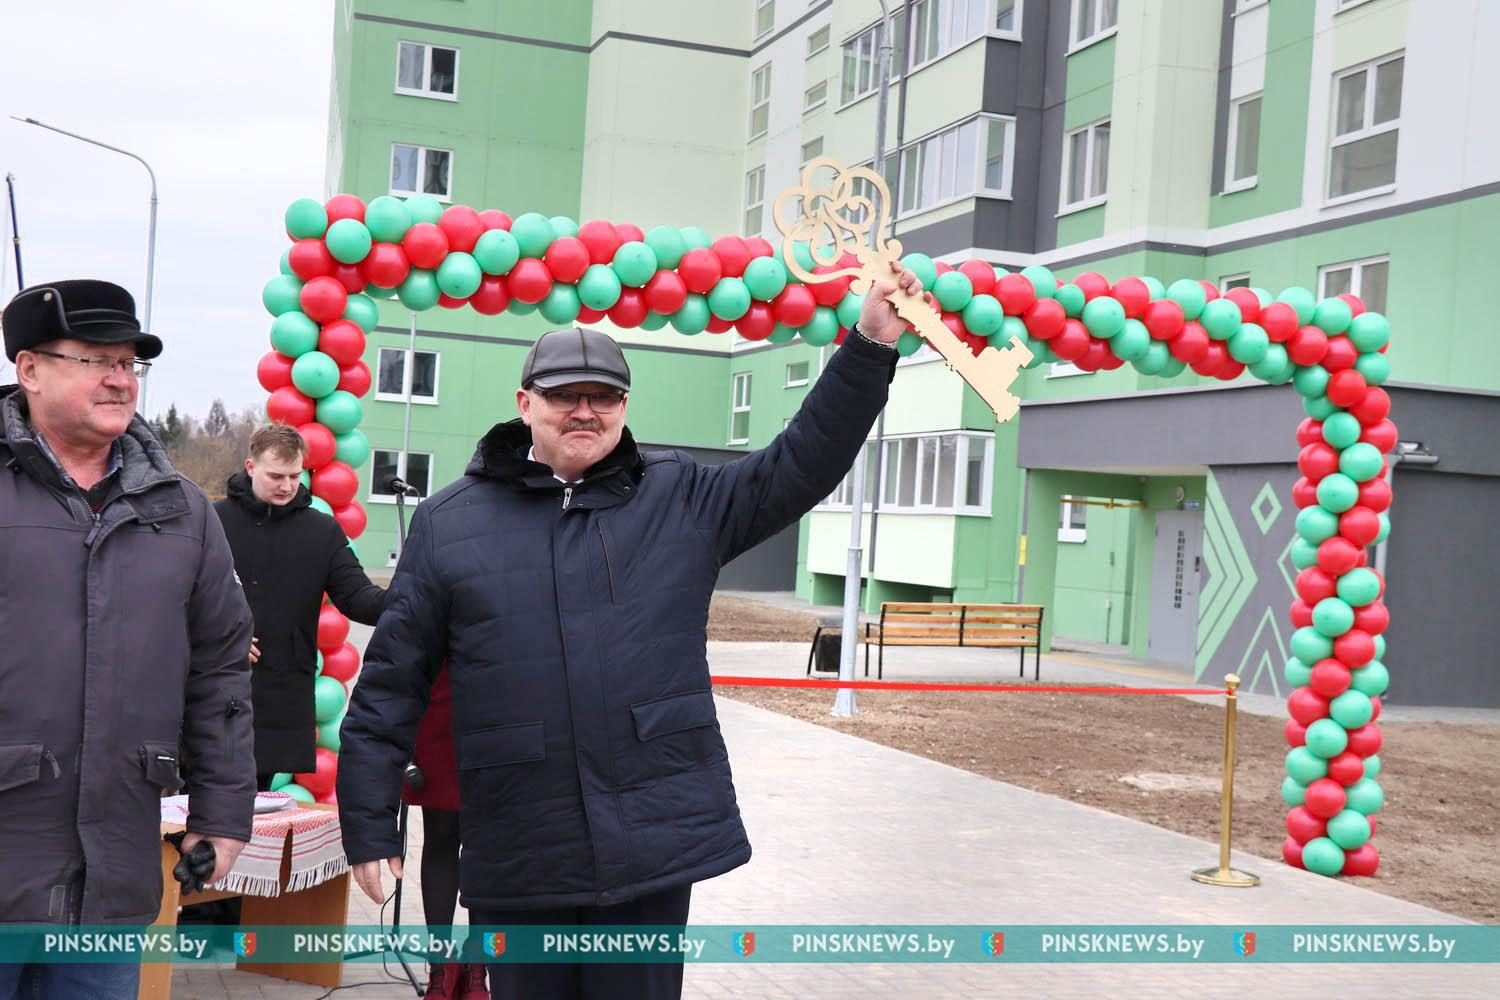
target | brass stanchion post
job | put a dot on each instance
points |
(1223, 874)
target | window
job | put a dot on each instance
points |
(816, 70)
(426, 70)
(1240, 6)
(413, 466)
(817, 41)
(760, 101)
(765, 17)
(861, 73)
(940, 26)
(1072, 521)
(755, 199)
(797, 373)
(1008, 17)
(1368, 279)
(1366, 123)
(1093, 20)
(1086, 166)
(1229, 281)
(419, 170)
(930, 473)
(739, 410)
(396, 378)
(956, 162)
(815, 96)
(1063, 369)
(811, 150)
(1243, 156)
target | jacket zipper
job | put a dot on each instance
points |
(47, 756)
(608, 569)
(567, 496)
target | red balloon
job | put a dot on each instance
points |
(288, 406)
(529, 281)
(343, 663)
(333, 628)
(1098, 355)
(449, 302)
(342, 340)
(320, 445)
(1346, 768)
(1302, 824)
(351, 517)
(274, 371)
(493, 218)
(323, 299)
(1248, 302)
(1318, 460)
(629, 232)
(1364, 860)
(587, 315)
(1375, 494)
(425, 244)
(1355, 305)
(344, 206)
(665, 292)
(1163, 319)
(1365, 740)
(1073, 343)
(1017, 297)
(492, 297)
(1373, 408)
(734, 255)
(1347, 388)
(794, 306)
(1213, 359)
(1092, 284)
(602, 239)
(1309, 431)
(1291, 852)
(1372, 618)
(1210, 290)
(630, 309)
(567, 258)
(310, 259)
(1295, 733)
(1382, 435)
(717, 324)
(1190, 346)
(1360, 524)
(1307, 346)
(1301, 613)
(1111, 362)
(701, 270)
(351, 277)
(1132, 293)
(1279, 320)
(1354, 649)
(463, 227)
(1325, 798)
(1230, 370)
(324, 777)
(758, 323)
(335, 483)
(1313, 585)
(1374, 707)
(1329, 679)
(385, 265)
(1341, 354)
(355, 379)
(1044, 319)
(980, 275)
(1304, 493)
(827, 293)
(1306, 706)
(1338, 555)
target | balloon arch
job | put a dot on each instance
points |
(346, 253)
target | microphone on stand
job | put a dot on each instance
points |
(400, 487)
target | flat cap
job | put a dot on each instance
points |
(563, 357)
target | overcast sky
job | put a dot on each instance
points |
(229, 105)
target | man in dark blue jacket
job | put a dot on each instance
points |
(566, 581)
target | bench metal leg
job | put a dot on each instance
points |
(814, 650)
(1022, 651)
(867, 649)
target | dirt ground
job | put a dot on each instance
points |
(1438, 833)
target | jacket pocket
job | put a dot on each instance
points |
(20, 765)
(514, 744)
(159, 764)
(673, 714)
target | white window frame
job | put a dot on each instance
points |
(812, 49)
(815, 96)
(1014, 34)
(950, 40)
(969, 181)
(871, 32)
(427, 48)
(1090, 199)
(803, 152)
(1224, 281)
(1066, 532)
(755, 184)
(406, 376)
(769, 7)
(1097, 33)
(1231, 146)
(1242, 6)
(1342, 5)
(791, 382)
(1356, 277)
(740, 385)
(422, 152)
(759, 76)
(875, 486)
(1368, 131)
(375, 497)
(1066, 369)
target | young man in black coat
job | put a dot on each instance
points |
(287, 555)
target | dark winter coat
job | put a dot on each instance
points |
(573, 621)
(124, 638)
(286, 558)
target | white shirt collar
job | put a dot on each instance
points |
(531, 457)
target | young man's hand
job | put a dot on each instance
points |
(254, 649)
(877, 317)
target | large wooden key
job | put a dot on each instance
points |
(834, 222)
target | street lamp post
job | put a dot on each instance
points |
(151, 231)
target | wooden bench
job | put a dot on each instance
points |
(1017, 626)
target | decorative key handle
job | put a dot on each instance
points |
(836, 222)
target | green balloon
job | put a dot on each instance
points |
(1341, 430)
(1155, 287)
(459, 275)
(328, 699)
(315, 374)
(533, 233)
(982, 314)
(1104, 316)
(280, 780)
(1072, 299)
(1337, 492)
(321, 506)
(1262, 296)
(1190, 295)
(667, 244)
(305, 479)
(340, 411)
(653, 322)
(352, 448)
(1309, 645)
(306, 219)
(286, 264)
(1249, 345)
(1042, 280)
(348, 241)
(953, 290)
(908, 344)
(1296, 673)
(782, 334)
(821, 330)
(1221, 319)
(1369, 332)
(1326, 738)
(1332, 316)
(1316, 524)
(1380, 642)
(496, 251)
(1292, 793)
(1302, 301)
(1132, 342)
(299, 793)
(561, 304)
(1304, 553)
(1332, 617)
(328, 733)
(293, 334)
(1374, 367)
(420, 290)
(318, 662)
(1372, 766)
(1371, 679)
(281, 294)
(804, 257)
(1360, 461)
(1351, 709)
(362, 311)
(387, 219)
(634, 263)
(1155, 359)
(376, 292)
(694, 315)
(1279, 367)
(1382, 535)
(730, 299)
(424, 208)
(563, 226)
(1322, 856)
(1173, 366)
(1310, 381)
(1010, 326)
(1319, 407)
(766, 277)
(695, 238)
(848, 308)
(922, 266)
(599, 288)
(1304, 766)
(1359, 587)
(1365, 796)
(1349, 829)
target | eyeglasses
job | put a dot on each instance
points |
(102, 366)
(567, 399)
